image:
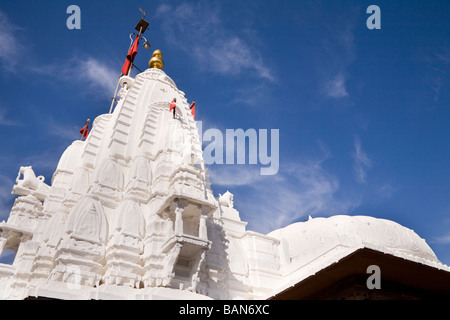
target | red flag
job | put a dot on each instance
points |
(173, 104)
(192, 107)
(85, 130)
(130, 56)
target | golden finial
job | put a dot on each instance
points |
(156, 61)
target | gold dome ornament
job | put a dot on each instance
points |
(156, 61)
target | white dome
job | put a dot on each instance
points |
(71, 157)
(303, 242)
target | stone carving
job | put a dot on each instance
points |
(126, 83)
(82, 247)
(159, 228)
(88, 223)
(109, 180)
(125, 246)
(226, 199)
(81, 181)
(30, 184)
(25, 212)
(140, 178)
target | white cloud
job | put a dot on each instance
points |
(335, 88)
(43, 163)
(95, 75)
(198, 30)
(231, 57)
(443, 57)
(234, 175)
(437, 63)
(337, 53)
(302, 189)
(298, 190)
(67, 132)
(442, 234)
(442, 240)
(98, 74)
(9, 46)
(6, 122)
(361, 162)
(386, 190)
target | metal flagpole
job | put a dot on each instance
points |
(139, 39)
(117, 87)
(115, 94)
(142, 25)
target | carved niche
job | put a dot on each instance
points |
(140, 178)
(109, 180)
(81, 252)
(81, 181)
(125, 246)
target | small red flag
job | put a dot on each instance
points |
(173, 104)
(192, 107)
(130, 56)
(85, 130)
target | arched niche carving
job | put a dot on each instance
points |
(140, 177)
(87, 221)
(109, 180)
(129, 220)
(81, 181)
(110, 175)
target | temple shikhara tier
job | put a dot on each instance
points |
(130, 214)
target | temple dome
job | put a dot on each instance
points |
(304, 242)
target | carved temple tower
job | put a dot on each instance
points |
(130, 206)
(130, 215)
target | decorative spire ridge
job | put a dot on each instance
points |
(156, 61)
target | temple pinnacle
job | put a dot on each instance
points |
(156, 61)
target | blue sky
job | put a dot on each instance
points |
(363, 114)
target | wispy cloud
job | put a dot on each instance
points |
(65, 131)
(98, 74)
(234, 175)
(9, 46)
(361, 162)
(232, 56)
(93, 74)
(198, 30)
(338, 52)
(43, 163)
(438, 63)
(335, 88)
(442, 239)
(298, 190)
(4, 121)
(386, 190)
(442, 234)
